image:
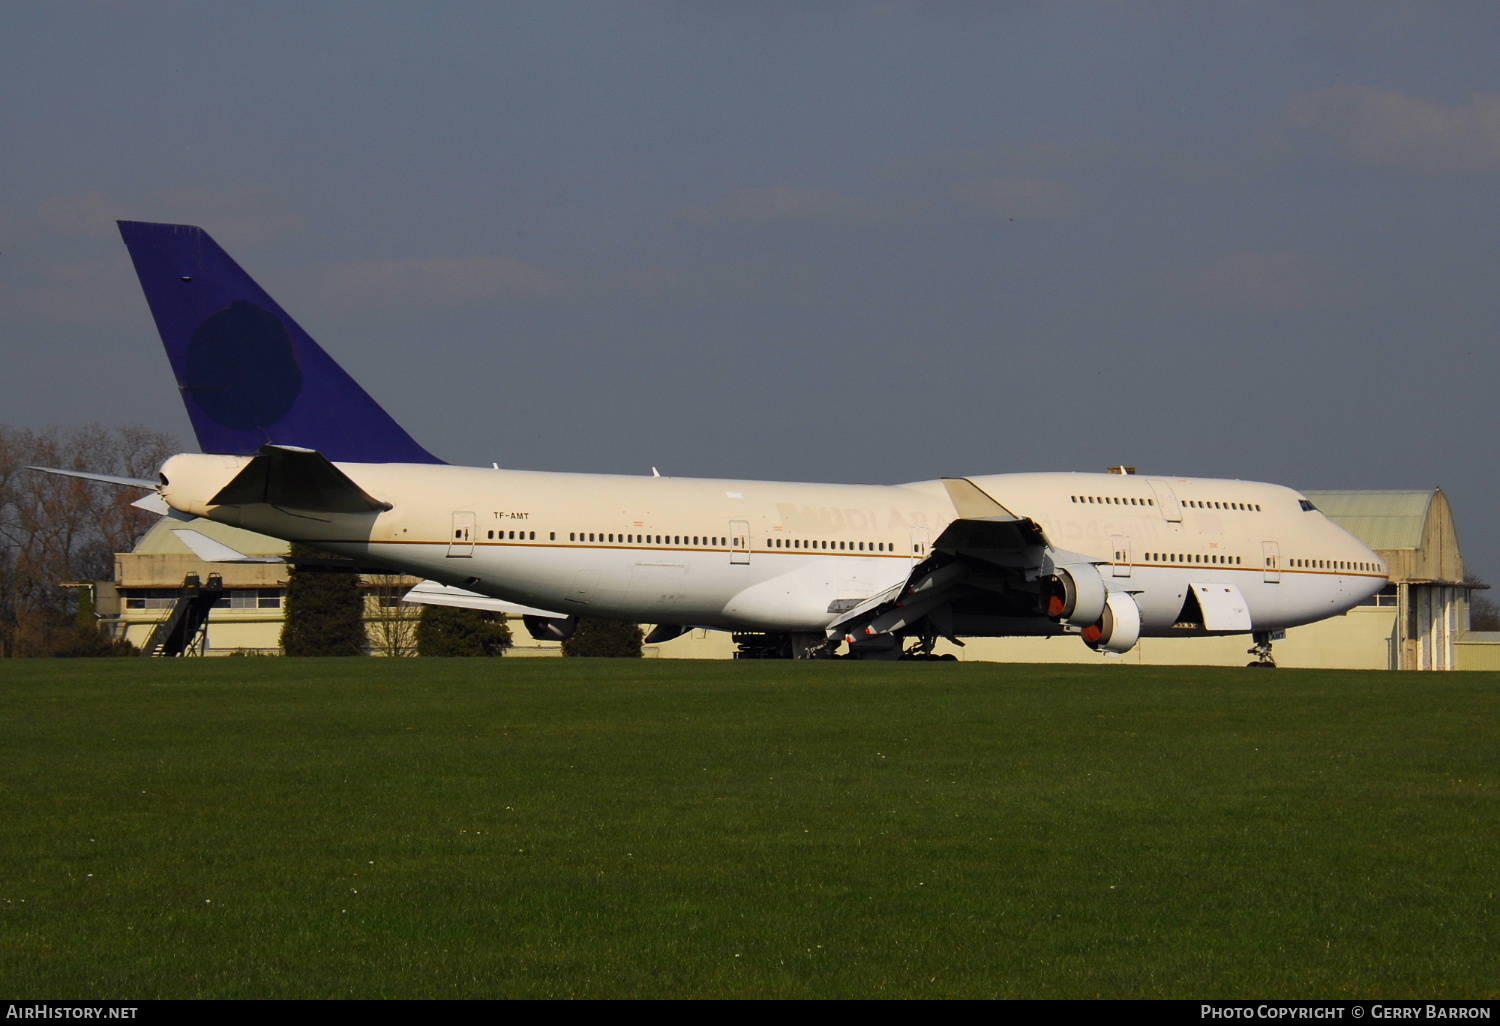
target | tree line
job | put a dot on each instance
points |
(59, 530)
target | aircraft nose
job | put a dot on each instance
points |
(1371, 584)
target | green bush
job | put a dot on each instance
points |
(450, 631)
(606, 639)
(324, 611)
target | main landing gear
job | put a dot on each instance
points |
(1262, 651)
(922, 651)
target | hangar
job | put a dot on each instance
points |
(1419, 622)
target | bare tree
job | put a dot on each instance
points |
(1484, 613)
(55, 529)
(392, 624)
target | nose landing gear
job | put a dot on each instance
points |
(1262, 651)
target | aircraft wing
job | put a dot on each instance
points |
(431, 593)
(977, 554)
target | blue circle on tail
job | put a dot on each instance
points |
(242, 367)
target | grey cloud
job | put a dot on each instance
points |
(767, 282)
(436, 283)
(233, 216)
(1034, 158)
(786, 204)
(1027, 199)
(1397, 130)
(84, 293)
(1268, 282)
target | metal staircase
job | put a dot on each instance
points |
(184, 628)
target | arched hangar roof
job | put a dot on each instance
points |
(1412, 530)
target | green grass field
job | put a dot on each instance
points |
(545, 828)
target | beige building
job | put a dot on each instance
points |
(149, 580)
(246, 613)
(1419, 622)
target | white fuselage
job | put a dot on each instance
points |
(781, 556)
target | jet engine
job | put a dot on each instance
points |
(1074, 594)
(1118, 627)
(549, 628)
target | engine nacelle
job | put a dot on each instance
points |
(550, 628)
(1074, 595)
(1118, 627)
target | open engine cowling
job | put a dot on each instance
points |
(1074, 595)
(1118, 627)
(548, 628)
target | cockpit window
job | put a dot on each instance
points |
(1307, 507)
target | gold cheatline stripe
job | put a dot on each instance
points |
(591, 546)
(1252, 569)
(595, 546)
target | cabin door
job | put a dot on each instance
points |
(461, 541)
(1171, 509)
(1121, 545)
(739, 541)
(1273, 561)
(918, 544)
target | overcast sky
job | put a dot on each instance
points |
(874, 241)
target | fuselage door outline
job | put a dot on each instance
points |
(1273, 561)
(1166, 501)
(461, 541)
(739, 541)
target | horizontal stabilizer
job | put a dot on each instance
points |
(431, 593)
(154, 503)
(211, 551)
(299, 479)
(124, 482)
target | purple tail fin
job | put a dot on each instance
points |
(248, 373)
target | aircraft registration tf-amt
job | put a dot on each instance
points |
(295, 449)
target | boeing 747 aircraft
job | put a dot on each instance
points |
(295, 449)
